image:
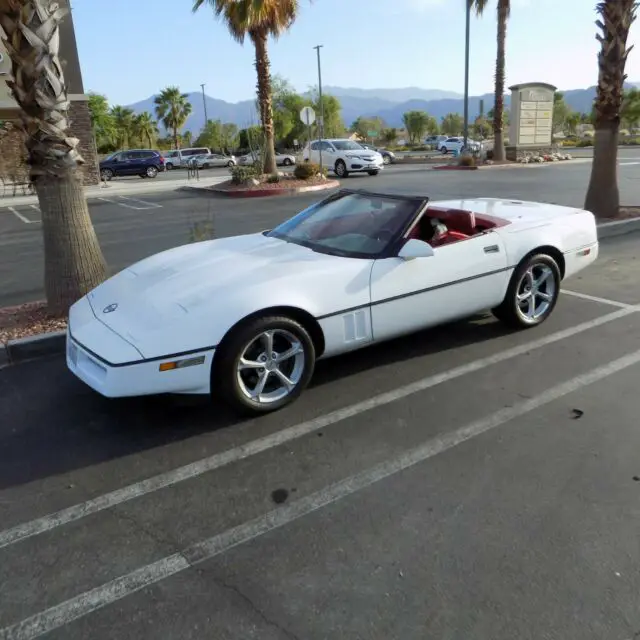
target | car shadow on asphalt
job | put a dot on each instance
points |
(51, 424)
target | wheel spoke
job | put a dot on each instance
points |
(543, 277)
(259, 388)
(531, 309)
(544, 296)
(289, 353)
(289, 384)
(249, 364)
(267, 341)
(524, 296)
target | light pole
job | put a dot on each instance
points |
(204, 104)
(466, 73)
(321, 127)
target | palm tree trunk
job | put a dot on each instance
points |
(259, 39)
(175, 138)
(603, 197)
(498, 108)
(73, 260)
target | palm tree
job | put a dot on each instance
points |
(145, 128)
(504, 9)
(73, 260)
(603, 197)
(258, 19)
(173, 108)
(123, 123)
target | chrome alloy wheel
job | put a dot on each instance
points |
(536, 292)
(270, 366)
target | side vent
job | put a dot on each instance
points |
(355, 326)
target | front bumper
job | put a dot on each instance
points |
(356, 164)
(115, 369)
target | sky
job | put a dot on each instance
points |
(130, 49)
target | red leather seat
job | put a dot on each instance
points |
(461, 221)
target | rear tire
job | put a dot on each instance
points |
(287, 162)
(106, 174)
(234, 383)
(532, 293)
(386, 159)
(151, 172)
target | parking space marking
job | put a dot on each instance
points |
(124, 586)
(254, 447)
(585, 296)
(147, 205)
(20, 217)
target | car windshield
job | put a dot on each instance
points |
(346, 145)
(354, 225)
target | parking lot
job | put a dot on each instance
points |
(466, 482)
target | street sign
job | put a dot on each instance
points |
(372, 134)
(307, 115)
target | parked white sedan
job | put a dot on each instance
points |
(344, 156)
(456, 144)
(247, 317)
(282, 159)
(214, 160)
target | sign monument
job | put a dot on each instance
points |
(531, 128)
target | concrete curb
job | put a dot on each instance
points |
(32, 348)
(260, 193)
(618, 228)
(54, 343)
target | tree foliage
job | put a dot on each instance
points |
(452, 124)
(417, 124)
(173, 108)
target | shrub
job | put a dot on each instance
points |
(307, 171)
(584, 143)
(273, 178)
(467, 161)
(241, 173)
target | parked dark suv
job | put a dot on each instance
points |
(136, 162)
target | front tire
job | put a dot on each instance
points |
(386, 159)
(444, 150)
(532, 293)
(373, 173)
(169, 166)
(341, 169)
(231, 163)
(287, 162)
(264, 365)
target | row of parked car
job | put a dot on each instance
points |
(343, 156)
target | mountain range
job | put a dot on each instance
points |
(388, 104)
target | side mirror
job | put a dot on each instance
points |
(415, 249)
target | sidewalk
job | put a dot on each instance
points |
(123, 187)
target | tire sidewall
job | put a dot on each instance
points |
(224, 372)
(510, 302)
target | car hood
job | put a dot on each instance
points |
(209, 282)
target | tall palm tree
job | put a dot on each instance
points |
(258, 19)
(73, 260)
(503, 11)
(123, 123)
(145, 128)
(173, 108)
(616, 17)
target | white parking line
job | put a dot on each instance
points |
(195, 469)
(584, 296)
(110, 592)
(626, 164)
(147, 205)
(18, 215)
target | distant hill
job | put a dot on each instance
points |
(389, 104)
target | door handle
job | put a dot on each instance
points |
(494, 248)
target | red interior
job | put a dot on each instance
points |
(461, 224)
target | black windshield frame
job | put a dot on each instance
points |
(392, 247)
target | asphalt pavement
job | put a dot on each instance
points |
(465, 482)
(132, 227)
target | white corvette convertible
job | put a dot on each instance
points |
(247, 317)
